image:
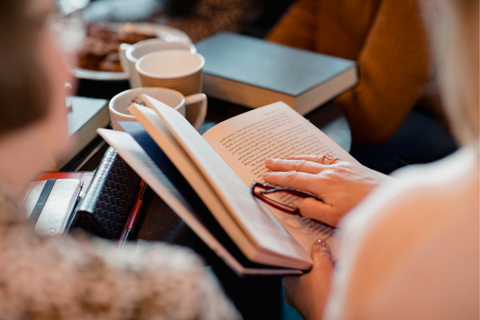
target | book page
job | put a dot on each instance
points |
(274, 131)
(258, 224)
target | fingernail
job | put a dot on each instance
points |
(321, 246)
(297, 203)
(266, 174)
(268, 161)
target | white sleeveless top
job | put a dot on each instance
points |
(411, 250)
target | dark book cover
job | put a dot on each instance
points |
(268, 65)
(105, 208)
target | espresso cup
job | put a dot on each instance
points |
(119, 104)
(130, 54)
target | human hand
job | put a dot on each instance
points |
(308, 293)
(340, 184)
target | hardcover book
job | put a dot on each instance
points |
(209, 188)
(254, 72)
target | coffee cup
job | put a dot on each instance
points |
(179, 70)
(175, 69)
(119, 104)
(130, 54)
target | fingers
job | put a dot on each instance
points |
(308, 293)
(321, 159)
(293, 165)
(294, 179)
(322, 260)
(317, 210)
(309, 164)
(291, 287)
(313, 158)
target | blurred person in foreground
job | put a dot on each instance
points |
(72, 278)
(393, 112)
(409, 248)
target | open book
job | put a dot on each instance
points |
(218, 169)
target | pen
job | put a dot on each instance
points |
(132, 218)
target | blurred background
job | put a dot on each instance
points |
(197, 18)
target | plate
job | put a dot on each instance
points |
(162, 32)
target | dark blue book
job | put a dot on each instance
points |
(253, 72)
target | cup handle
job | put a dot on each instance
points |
(123, 57)
(202, 109)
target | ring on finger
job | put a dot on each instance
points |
(328, 159)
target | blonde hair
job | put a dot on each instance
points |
(453, 28)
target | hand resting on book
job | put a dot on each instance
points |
(341, 184)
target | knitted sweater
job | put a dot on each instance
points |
(82, 278)
(387, 39)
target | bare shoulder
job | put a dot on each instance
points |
(415, 243)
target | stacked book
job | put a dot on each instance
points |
(253, 72)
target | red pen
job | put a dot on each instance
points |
(132, 218)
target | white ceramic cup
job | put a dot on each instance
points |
(129, 55)
(175, 69)
(119, 104)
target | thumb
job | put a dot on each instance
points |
(317, 210)
(322, 259)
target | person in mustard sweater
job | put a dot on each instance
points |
(388, 40)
